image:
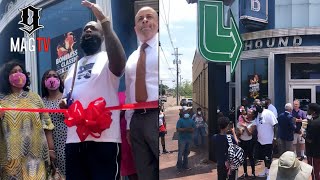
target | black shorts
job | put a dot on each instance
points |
(162, 134)
(263, 151)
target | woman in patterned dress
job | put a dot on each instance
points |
(52, 89)
(25, 137)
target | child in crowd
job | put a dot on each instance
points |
(221, 143)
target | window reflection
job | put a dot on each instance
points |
(305, 71)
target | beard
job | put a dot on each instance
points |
(90, 43)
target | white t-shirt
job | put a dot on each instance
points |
(244, 136)
(94, 80)
(265, 122)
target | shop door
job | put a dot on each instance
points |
(306, 94)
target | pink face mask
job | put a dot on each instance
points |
(52, 83)
(17, 79)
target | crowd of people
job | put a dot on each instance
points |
(32, 144)
(261, 134)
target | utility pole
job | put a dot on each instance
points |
(177, 62)
(180, 85)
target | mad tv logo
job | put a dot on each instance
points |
(30, 21)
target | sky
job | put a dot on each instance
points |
(182, 18)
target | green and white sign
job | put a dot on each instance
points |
(215, 41)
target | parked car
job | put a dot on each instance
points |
(183, 102)
(189, 102)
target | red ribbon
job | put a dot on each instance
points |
(93, 120)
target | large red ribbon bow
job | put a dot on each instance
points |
(93, 120)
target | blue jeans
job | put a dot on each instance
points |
(183, 152)
(199, 131)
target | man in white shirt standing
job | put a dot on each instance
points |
(271, 107)
(142, 85)
(97, 75)
(266, 126)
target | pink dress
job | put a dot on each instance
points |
(127, 163)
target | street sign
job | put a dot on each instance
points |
(216, 42)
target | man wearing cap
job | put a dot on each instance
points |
(266, 127)
(313, 139)
(288, 167)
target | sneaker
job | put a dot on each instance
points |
(166, 152)
(244, 176)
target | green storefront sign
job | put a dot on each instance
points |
(216, 42)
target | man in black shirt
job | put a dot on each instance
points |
(313, 139)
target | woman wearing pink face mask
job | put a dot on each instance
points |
(24, 149)
(52, 89)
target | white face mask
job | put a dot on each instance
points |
(309, 116)
(218, 110)
(199, 112)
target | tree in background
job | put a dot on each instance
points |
(185, 89)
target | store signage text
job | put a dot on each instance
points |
(255, 5)
(274, 42)
(254, 10)
(30, 21)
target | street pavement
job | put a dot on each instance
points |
(202, 168)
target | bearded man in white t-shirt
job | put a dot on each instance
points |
(266, 123)
(97, 75)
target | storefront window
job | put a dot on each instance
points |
(318, 94)
(63, 23)
(305, 70)
(254, 79)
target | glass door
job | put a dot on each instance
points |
(305, 94)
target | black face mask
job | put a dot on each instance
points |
(91, 45)
(259, 109)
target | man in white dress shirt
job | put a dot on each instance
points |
(142, 85)
(271, 107)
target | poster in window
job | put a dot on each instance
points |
(254, 86)
(65, 50)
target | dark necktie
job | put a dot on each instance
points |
(141, 88)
